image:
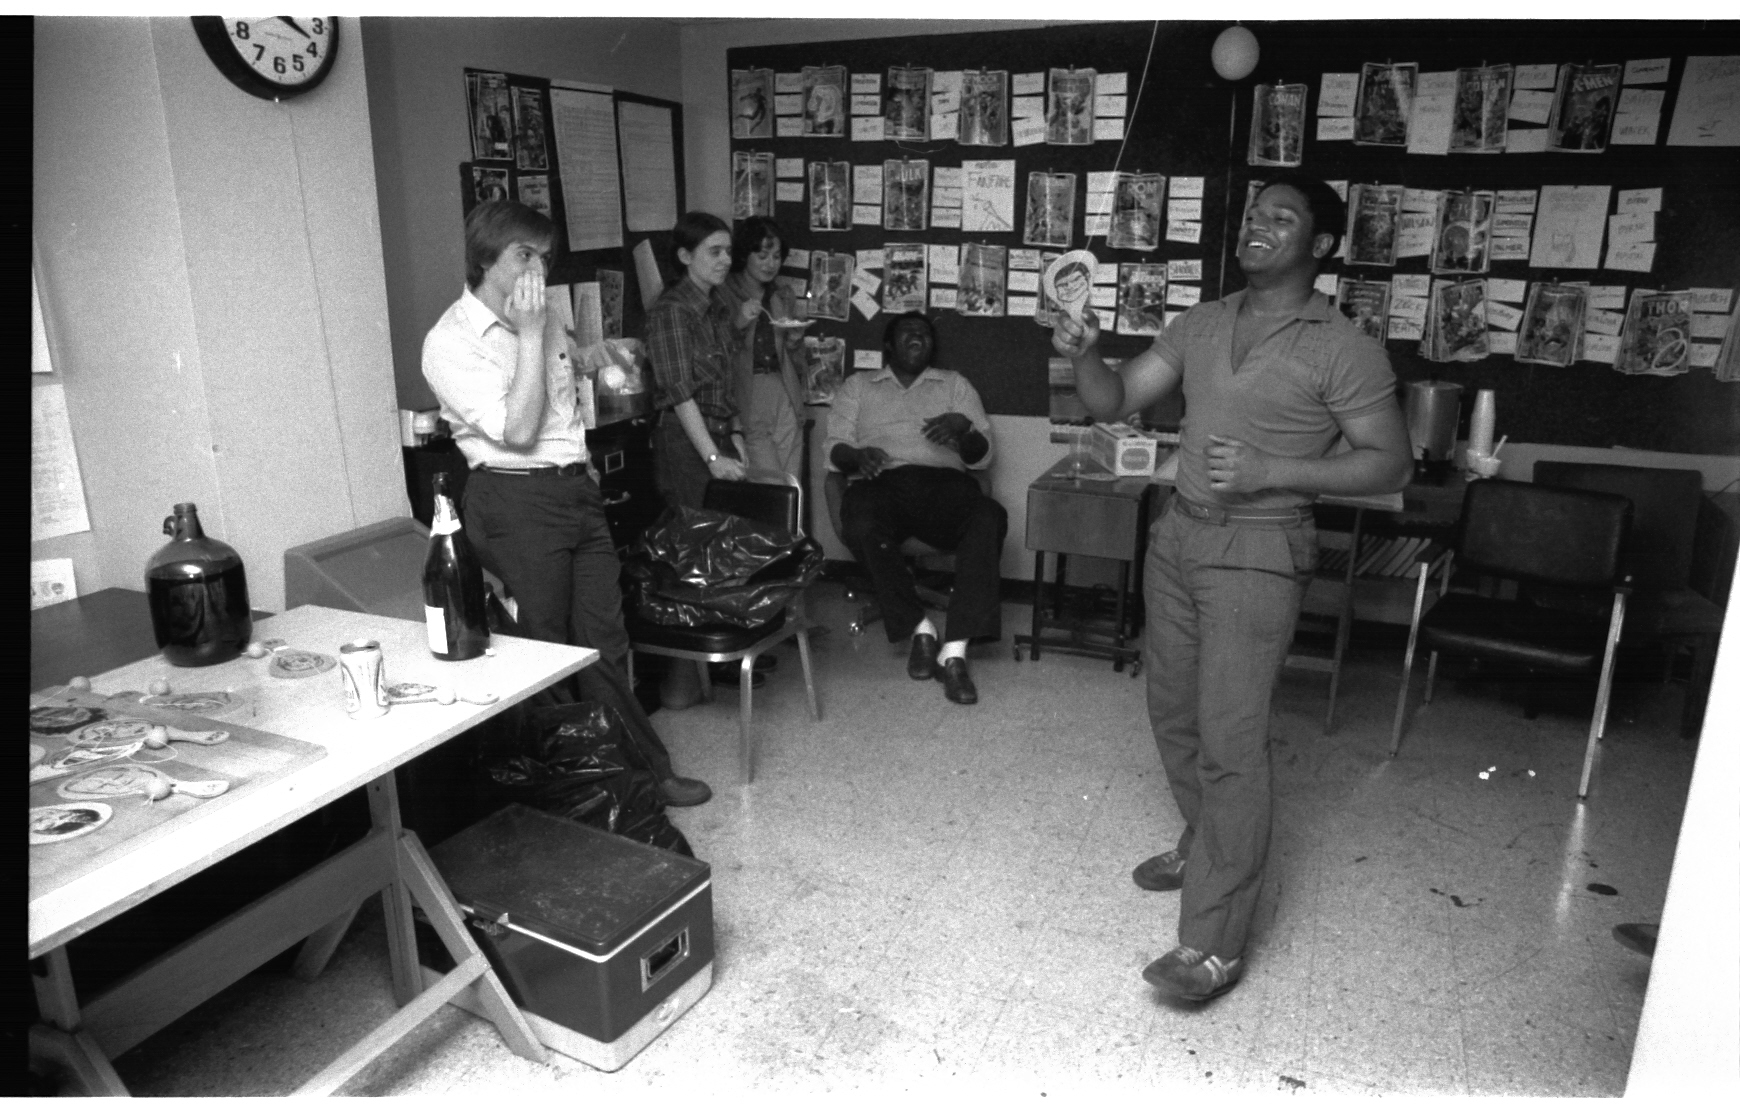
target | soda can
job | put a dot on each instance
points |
(365, 679)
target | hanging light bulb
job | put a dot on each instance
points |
(1235, 53)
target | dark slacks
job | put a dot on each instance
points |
(679, 472)
(945, 509)
(1222, 601)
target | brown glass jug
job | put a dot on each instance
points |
(199, 594)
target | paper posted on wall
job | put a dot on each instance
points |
(1141, 299)
(1456, 322)
(1374, 210)
(904, 287)
(1657, 335)
(1552, 324)
(1277, 126)
(831, 284)
(1136, 203)
(906, 104)
(1464, 232)
(492, 118)
(531, 136)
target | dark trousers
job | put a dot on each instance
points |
(547, 538)
(1222, 601)
(679, 472)
(945, 509)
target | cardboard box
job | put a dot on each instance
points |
(1122, 450)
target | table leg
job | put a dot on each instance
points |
(318, 949)
(60, 1038)
(1038, 598)
(1057, 584)
(395, 904)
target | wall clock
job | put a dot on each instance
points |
(273, 57)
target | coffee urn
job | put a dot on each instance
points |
(1432, 408)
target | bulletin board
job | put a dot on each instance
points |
(1189, 121)
(537, 181)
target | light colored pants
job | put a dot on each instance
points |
(771, 433)
(1222, 602)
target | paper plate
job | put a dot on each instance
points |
(66, 821)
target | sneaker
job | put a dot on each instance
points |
(1192, 975)
(1164, 873)
(681, 791)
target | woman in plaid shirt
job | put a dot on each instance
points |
(693, 345)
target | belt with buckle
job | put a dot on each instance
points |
(567, 470)
(1219, 515)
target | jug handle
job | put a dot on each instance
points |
(169, 526)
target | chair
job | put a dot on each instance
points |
(770, 503)
(1566, 541)
(1664, 609)
(923, 557)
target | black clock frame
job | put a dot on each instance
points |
(213, 33)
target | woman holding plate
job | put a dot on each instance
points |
(770, 348)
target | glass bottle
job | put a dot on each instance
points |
(453, 603)
(198, 592)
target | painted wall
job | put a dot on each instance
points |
(416, 93)
(211, 269)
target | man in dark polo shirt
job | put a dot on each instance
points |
(1273, 376)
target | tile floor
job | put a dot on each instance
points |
(930, 899)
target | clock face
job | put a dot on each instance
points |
(271, 56)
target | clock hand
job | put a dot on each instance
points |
(292, 24)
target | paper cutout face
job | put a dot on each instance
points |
(57, 824)
(297, 664)
(194, 702)
(1069, 281)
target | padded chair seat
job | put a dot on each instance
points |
(714, 637)
(1515, 632)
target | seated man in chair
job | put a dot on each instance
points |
(911, 432)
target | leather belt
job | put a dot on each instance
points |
(1219, 515)
(567, 470)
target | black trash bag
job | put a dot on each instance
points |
(574, 760)
(697, 567)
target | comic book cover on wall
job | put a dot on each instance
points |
(1141, 299)
(1069, 116)
(1480, 122)
(1277, 126)
(752, 104)
(906, 104)
(983, 280)
(531, 148)
(984, 120)
(490, 183)
(610, 302)
(1464, 232)
(830, 196)
(1385, 103)
(751, 184)
(1456, 328)
(1552, 322)
(905, 194)
(825, 101)
(904, 289)
(1583, 105)
(1136, 204)
(1366, 304)
(533, 191)
(1371, 238)
(830, 285)
(1656, 337)
(824, 368)
(1050, 209)
(492, 118)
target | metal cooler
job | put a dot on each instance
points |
(603, 942)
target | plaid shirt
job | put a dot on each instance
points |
(692, 344)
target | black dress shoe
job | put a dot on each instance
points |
(957, 685)
(730, 674)
(921, 661)
(680, 791)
